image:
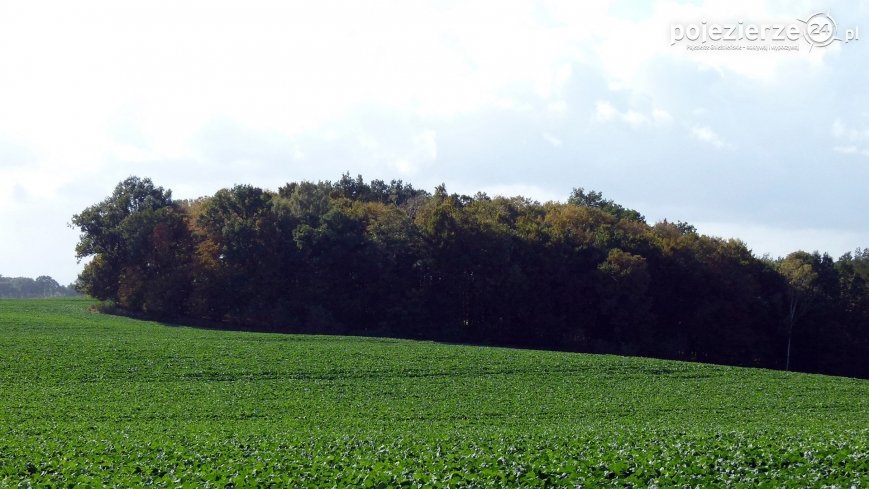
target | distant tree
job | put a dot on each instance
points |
(47, 286)
(25, 287)
(686, 228)
(802, 288)
(580, 197)
(137, 237)
(5, 287)
(625, 305)
(353, 189)
(307, 202)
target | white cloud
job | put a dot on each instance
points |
(553, 140)
(625, 49)
(273, 67)
(841, 131)
(661, 116)
(634, 118)
(424, 150)
(558, 108)
(605, 112)
(845, 149)
(707, 135)
(295, 67)
(858, 139)
(426, 142)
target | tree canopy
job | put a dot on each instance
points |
(383, 258)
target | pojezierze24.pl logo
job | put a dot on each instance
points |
(816, 31)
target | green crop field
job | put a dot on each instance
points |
(89, 400)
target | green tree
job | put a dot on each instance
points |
(48, 287)
(579, 197)
(802, 288)
(238, 262)
(109, 230)
(623, 299)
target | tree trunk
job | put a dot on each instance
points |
(788, 359)
(791, 317)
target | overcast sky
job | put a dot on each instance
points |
(506, 97)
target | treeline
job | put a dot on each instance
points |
(42, 286)
(383, 258)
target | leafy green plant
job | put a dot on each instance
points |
(95, 400)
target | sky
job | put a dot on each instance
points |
(506, 97)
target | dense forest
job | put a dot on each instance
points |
(26, 287)
(380, 258)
